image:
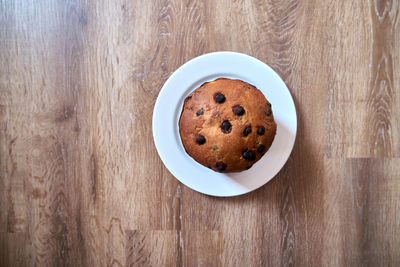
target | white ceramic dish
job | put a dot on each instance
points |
(169, 106)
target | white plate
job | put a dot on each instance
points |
(169, 106)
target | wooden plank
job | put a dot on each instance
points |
(367, 224)
(202, 248)
(361, 208)
(12, 253)
(363, 105)
(152, 248)
(80, 180)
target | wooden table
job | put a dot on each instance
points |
(81, 183)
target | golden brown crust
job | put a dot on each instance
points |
(224, 151)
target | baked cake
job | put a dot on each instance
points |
(227, 125)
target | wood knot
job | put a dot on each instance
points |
(67, 113)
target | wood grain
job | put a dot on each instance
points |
(152, 248)
(81, 183)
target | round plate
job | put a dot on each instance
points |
(169, 105)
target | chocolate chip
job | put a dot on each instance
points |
(260, 148)
(200, 139)
(261, 130)
(269, 112)
(269, 105)
(248, 167)
(238, 110)
(219, 98)
(249, 155)
(221, 166)
(226, 127)
(200, 112)
(247, 130)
